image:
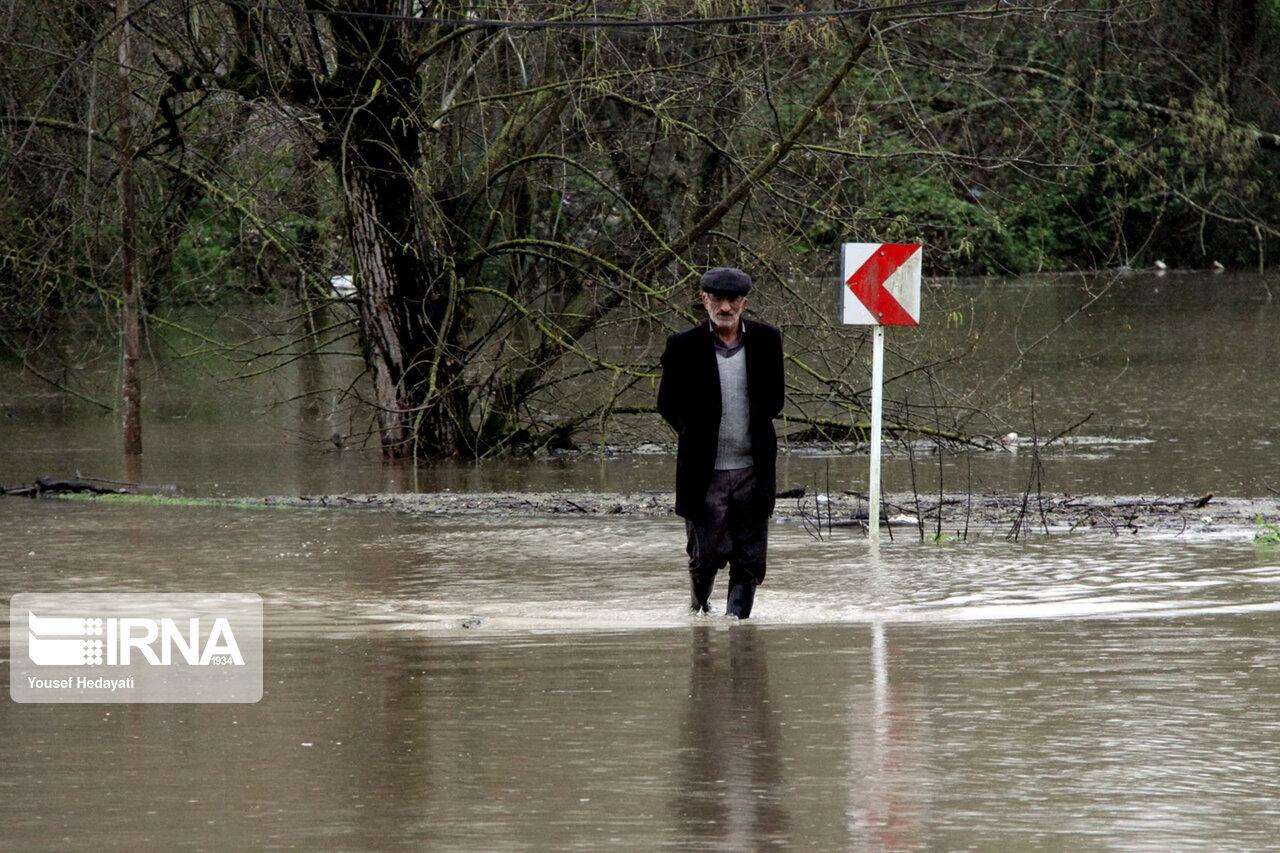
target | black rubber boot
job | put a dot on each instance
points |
(700, 593)
(741, 597)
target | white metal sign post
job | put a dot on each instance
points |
(877, 430)
(881, 288)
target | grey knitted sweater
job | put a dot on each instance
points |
(733, 447)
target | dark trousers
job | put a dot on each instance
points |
(728, 531)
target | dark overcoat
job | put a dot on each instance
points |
(689, 400)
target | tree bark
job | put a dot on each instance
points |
(406, 288)
(403, 253)
(131, 391)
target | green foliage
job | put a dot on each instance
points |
(1269, 12)
(988, 232)
(1267, 533)
(205, 249)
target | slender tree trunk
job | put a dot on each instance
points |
(131, 392)
(311, 372)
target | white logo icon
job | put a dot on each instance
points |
(62, 641)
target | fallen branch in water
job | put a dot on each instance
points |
(825, 430)
(80, 484)
(52, 485)
(1173, 503)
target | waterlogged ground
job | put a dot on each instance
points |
(1081, 692)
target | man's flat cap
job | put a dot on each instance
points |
(726, 281)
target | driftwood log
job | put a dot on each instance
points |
(57, 485)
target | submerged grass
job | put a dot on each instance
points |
(1267, 534)
(166, 500)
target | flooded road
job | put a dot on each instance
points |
(1074, 692)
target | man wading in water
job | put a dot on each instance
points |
(721, 389)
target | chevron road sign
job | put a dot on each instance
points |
(881, 284)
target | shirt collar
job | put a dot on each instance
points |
(742, 331)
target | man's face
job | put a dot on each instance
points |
(724, 311)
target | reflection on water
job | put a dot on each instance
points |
(1075, 692)
(731, 766)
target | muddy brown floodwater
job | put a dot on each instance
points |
(503, 679)
(1070, 692)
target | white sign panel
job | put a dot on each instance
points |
(881, 284)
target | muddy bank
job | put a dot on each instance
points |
(978, 514)
(989, 513)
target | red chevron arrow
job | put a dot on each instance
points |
(868, 283)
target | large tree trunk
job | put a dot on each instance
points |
(408, 313)
(399, 238)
